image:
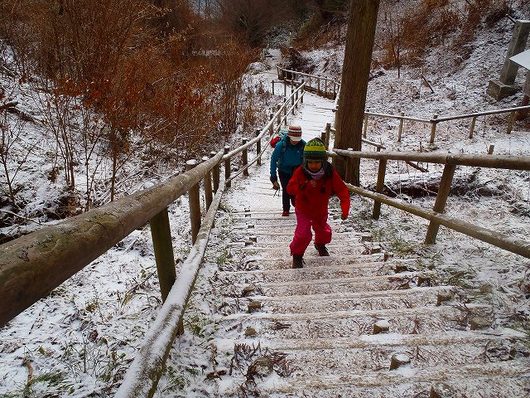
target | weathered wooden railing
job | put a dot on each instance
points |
(143, 375)
(321, 85)
(286, 75)
(35, 264)
(436, 216)
(436, 119)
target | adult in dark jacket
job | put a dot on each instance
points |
(287, 156)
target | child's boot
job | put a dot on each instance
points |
(298, 261)
(322, 250)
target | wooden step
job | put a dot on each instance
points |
(284, 260)
(401, 281)
(374, 352)
(488, 380)
(354, 323)
(373, 268)
(394, 299)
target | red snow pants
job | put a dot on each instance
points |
(302, 233)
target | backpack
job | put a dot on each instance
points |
(277, 137)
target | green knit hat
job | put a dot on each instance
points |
(315, 150)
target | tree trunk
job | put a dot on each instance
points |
(355, 72)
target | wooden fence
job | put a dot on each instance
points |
(331, 89)
(436, 119)
(35, 264)
(321, 85)
(436, 216)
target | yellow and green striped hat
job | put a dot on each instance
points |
(315, 150)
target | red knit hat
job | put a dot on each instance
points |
(295, 133)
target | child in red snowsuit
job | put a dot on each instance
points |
(312, 184)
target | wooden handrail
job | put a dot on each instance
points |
(492, 161)
(483, 113)
(265, 129)
(143, 375)
(435, 216)
(35, 264)
(517, 246)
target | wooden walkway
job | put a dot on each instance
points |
(356, 324)
(349, 325)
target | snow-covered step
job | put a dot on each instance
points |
(404, 280)
(318, 272)
(335, 249)
(272, 242)
(375, 352)
(282, 259)
(355, 322)
(488, 380)
(394, 299)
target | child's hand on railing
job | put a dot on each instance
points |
(275, 185)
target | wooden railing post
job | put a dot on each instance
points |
(216, 173)
(208, 196)
(273, 87)
(328, 134)
(292, 97)
(163, 248)
(379, 188)
(401, 122)
(434, 122)
(228, 183)
(302, 92)
(472, 127)
(279, 117)
(348, 172)
(284, 87)
(318, 86)
(258, 146)
(365, 127)
(511, 119)
(195, 204)
(441, 200)
(285, 111)
(244, 158)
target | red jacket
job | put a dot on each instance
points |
(312, 196)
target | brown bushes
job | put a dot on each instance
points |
(160, 75)
(429, 23)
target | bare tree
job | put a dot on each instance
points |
(355, 72)
(14, 152)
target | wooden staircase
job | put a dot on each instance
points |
(356, 324)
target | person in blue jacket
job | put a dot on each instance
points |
(287, 156)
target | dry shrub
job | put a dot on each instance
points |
(155, 75)
(406, 38)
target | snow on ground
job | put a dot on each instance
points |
(79, 340)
